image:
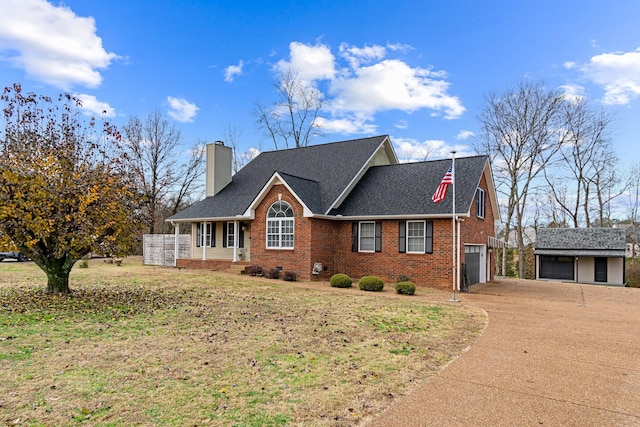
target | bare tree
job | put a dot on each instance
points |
(607, 185)
(521, 131)
(292, 121)
(232, 139)
(633, 208)
(152, 152)
(585, 159)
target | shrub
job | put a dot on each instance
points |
(403, 278)
(289, 276)
(371, 283)
(84, 264)
(633, 275)
(340, 280)
(255, 270)
(273, 273)
(405, 288)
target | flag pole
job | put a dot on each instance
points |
(453, 225)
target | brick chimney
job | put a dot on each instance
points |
(218, 167)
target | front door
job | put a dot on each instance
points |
(600, 269)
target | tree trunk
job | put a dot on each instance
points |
(57, 272)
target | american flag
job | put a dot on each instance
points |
(441, 192)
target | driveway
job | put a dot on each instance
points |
(553, 354)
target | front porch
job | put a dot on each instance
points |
(213, 264)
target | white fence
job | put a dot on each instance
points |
(159, 249)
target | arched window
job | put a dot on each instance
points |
(280, 226)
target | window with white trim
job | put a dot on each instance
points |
(231, 234)
(205, 234)
(280, 226)
(480, 203)
(415, 237)
(367, 233)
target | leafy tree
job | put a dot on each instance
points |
(152, 149)
(293, 119)
(63, 191)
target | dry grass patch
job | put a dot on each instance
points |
(137, 345)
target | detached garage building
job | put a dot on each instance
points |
(581, 255)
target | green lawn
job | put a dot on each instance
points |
(139, 345)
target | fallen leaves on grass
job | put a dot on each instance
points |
(111, 301)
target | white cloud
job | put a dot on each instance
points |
(92, 107)
(464, 135)
(52, 44)
(569, 65)
(362, 82)
(233, 70)
(412, 150)
(357, 56)
(181, 110)
(572, 92)
(402, 124)
(393, 85)
(346, 125)
(309, 62)
(618, 74)
(399, 47)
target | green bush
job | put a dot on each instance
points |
(340, 280)
(405, 288)
(371, 283)
(633, 275)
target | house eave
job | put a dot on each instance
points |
(211, 219)
(580, 252)
(387, 217)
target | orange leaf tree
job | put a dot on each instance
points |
(63, 190)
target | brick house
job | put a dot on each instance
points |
(343, 207)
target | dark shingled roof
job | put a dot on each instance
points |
(406, 189)
(581, 241)
(319, 173)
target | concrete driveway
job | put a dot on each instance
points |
(553, 354)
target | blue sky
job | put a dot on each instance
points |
(415, 70)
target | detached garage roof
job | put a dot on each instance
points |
(605, 242)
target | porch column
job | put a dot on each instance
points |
(176, 246)
(203, 239)
(235, 241)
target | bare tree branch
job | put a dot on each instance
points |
(292, 120)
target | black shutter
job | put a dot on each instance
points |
(402, 237)
(240, 235)
(213, 234)
(429, 237)
(354, 237)
(224, 234)
(378, 237)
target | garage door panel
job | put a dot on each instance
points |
(556, 267)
